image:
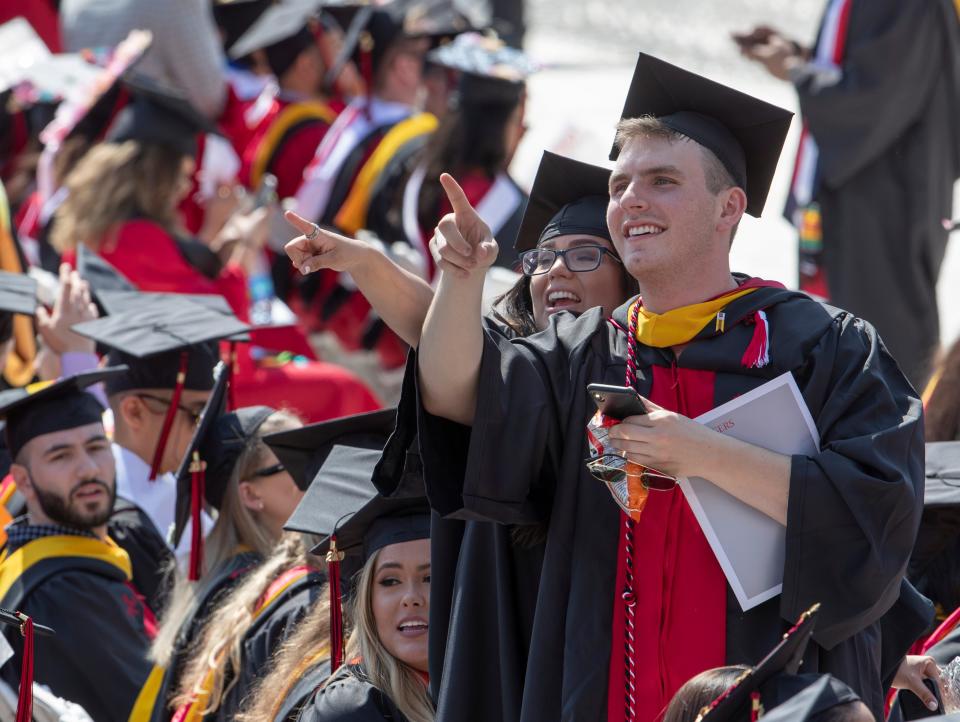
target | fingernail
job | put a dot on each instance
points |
(932, 705)
(305, 269)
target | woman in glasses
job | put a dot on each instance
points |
(253, 495)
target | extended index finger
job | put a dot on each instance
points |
(456, 196)
(298, 222)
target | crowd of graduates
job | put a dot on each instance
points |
(204, 519)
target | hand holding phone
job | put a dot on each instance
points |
(617, 402)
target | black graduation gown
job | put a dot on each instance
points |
(268, 631)
(223, 579)
(302, 692)
(149, 554)
(483, 587)
(349, 697)
(860, 496)
(889, 154)
(98, 657)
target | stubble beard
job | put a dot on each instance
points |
(68, 512)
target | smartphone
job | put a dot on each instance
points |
(912, 708)
(617, 402)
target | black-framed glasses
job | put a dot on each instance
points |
(194, 414)
(269, 470)
(613, 469)
(578, 259)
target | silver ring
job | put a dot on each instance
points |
(312, 235)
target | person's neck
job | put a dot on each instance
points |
(672, 293)
(123, 437)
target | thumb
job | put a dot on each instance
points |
(43, 317)
(650, 406)
(298, 222)
(458, 199)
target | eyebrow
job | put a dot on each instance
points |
(398, 565)
(63, 447)
(656, 170)
(574, 243)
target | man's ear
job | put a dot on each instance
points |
(21, 477)
(132, 412)
(733, 204)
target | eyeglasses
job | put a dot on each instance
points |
(269, 471)
(194, 414)
(578, 259)
(612, 469)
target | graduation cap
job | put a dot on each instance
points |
(491, 72)
(49, 406)
(88, 112)
(303, 451)
(100, 274)
(192, 488)
(235, 17)
(168, 342)
(785, 659)
(567, 197)
(745, 133)
(820, 694)
(282, 31)
(18, 294)
(161, 115)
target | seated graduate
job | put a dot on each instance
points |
(59, 564)
(691, 161)
(773, 689)
(236, 644)
(170, 347)
(383, 674)
(228, 468)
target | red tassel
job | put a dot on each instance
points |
(231, 390)
(334, 557)
(25, 700)
(171, 412)
(757, 354)
(756, 708)
(197, 480)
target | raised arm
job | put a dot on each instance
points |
(399, 297)
(452, 340)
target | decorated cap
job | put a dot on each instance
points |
(282, 31)
(46, 407)
(491, 72)
(567, 197)
(160, 115)
(751, 689)
(745, 133)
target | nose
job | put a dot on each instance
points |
(87, 467)
(559, 267)
(632, 197)
(413, 596)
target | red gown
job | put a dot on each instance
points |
(150, 258)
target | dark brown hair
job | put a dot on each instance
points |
(700, 691)
(942, 410)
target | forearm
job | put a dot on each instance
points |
(756, 476)
(451, 345)
(399, 297)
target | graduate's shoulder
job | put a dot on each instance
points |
(573, 334)
(346, 697)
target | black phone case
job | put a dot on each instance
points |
(912, 708)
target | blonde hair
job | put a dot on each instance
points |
(111, 184)
(219, 654)
(237, 528)
(395, 679)
(308, 646)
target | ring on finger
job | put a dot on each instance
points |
(312, 235)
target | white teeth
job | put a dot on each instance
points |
(413, 625)
(644, 230)
(555, 296)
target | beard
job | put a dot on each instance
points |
(73, 513)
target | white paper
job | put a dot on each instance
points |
(749, 545)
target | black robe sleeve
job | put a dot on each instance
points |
(906, 622)
(301, 692)
(854, 508)
(895, 51)
(348, 698)
(98, 656)
(150, 557)
(497, 470)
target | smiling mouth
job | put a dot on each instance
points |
(413, 629)
(562, 299)
(645, 230)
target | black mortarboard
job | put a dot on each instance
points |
(567, 197)
(100, 274)
(490, 71)
(282, 32)
(191, 476)
(785, 659)
(369, 31)
(303, 451)
(18, 293)
(150, 337)
(235, 17)
(818, 694)
(45, 407)
(160, 115)
(224, 442)
(745, 133)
